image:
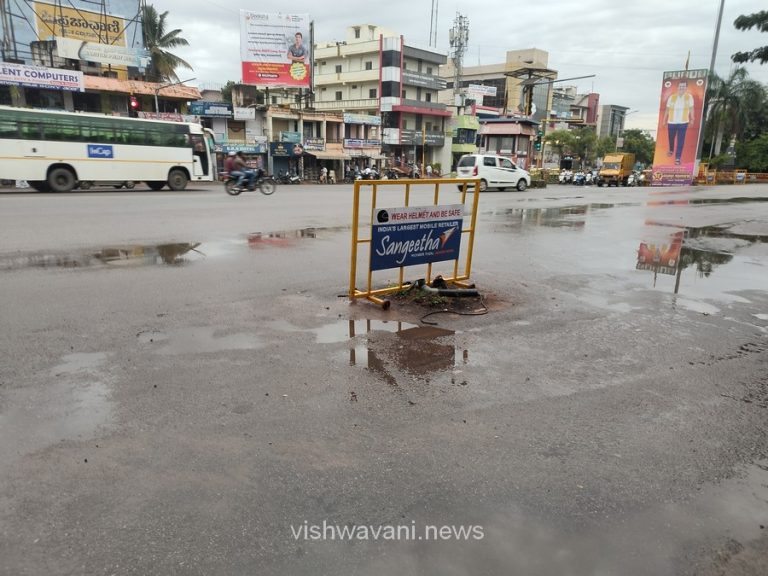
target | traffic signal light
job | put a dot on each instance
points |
(133, 107)
(537, 145)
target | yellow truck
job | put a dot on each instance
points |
(616, 169)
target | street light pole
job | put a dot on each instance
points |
(157, 107)
(620, 128)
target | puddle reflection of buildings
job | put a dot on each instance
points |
(161, 254)
(414, 350)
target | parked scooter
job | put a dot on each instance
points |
(288, 177)
(579, 178)
(566, 176)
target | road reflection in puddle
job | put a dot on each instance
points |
(396, 351)
(136, 255)
(171, 254)
(288, 238)
(656, 244)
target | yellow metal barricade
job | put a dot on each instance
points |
(401, 193)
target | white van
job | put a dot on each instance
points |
(494, 172)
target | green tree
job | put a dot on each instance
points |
(757, 20)
(753, 155)
(585, 146)
(158, 41)
(733, 105)
(605, 145)
(640, 144)
(561, 141)
(226, 91)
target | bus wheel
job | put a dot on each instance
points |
(156, 186)
(61, 179)
(177, 180)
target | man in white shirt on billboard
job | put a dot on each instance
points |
(678, 115)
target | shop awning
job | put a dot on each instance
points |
(327, 155)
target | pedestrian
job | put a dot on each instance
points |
(429, 170)
(324, 175)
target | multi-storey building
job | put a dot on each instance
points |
(387, 91)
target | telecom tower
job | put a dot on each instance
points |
(459, 39)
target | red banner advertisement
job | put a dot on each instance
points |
(680, 118)
(275, 49)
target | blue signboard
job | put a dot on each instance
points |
(210, 109)
(257, 148)
(100, 151)
(413, 235)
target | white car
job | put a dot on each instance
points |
(494, 172)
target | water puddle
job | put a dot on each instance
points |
(715, 531)
(71, 401)
(288, 238)
(198, 340)
(171, 254)
(135, 255)
(396, 351)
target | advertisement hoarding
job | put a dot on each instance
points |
(41, 77)
(412, 235)
(102, 53)
(275, 49)
(78, 23)
(681, 110)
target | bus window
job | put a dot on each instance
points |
(9, 129)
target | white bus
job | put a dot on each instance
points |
(55, 151)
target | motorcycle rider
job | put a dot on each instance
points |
(241, 166)
(229, 167)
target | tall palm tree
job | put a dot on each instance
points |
(163, 64)
(731, 101)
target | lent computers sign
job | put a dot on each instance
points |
(413, 235)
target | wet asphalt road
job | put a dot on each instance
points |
(184, 391)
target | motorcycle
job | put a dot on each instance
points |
(588, 179)
(579, 178)
(566, 176)
(288, 177)
(371, 174)
(264, 184)
(391, 174)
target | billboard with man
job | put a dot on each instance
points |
(275, 49)
(680, 115)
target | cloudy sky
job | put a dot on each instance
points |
(626, 44)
